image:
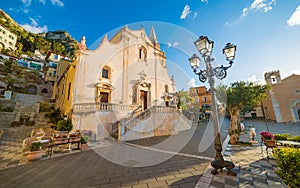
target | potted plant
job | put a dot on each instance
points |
(266, 136)
(83, 142)
(35, 151)
(268, 139)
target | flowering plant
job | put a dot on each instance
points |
(267, 135)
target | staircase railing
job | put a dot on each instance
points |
(128, 122)
(114, 127)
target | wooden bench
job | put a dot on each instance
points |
(64, 138)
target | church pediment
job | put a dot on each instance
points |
(105, 86)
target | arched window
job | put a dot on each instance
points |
(142, 53)
(166, 89)
(106, 72)
(44, 90)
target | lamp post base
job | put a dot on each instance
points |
(219, 163)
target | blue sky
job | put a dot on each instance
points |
(266, 32)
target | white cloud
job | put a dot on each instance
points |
(33, 27)
(57, 2)
(265, 5)
(26, 10)
(295, 18)
(204, 1)
(33, 22)
(254, 80)
(43, 1)
(174, 44)
(285, 74)
(192, 82)
(186, 11)
(195, 15)
(26, 2)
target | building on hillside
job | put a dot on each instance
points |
(125, 76)
(201, 97)
(8, 39)
(283, 102)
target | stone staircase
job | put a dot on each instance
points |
(27, 107)
(156, 120)
(16, 134)
(28, 100)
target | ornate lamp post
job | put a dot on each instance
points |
(205, 47)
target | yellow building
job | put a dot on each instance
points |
(283, 102)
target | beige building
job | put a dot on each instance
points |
(122, 84)
(283, 102)
(8, 39)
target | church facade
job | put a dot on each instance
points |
(124, 75)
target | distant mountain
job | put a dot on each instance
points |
(56, 41)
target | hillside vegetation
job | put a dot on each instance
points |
(56, 41)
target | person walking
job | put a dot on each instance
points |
(252, 133)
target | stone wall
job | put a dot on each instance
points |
(7, 118)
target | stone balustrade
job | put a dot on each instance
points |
(93, 107)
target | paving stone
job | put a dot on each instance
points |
(217, 184)
(175, 182)
(231, 182)
(275, 184)
(140, 186)
(157, 184)
(169, 177)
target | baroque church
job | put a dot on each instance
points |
(122, 88)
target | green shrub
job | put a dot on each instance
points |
(54, 115)
(295, 138)
(64, 125)
(46, 107)
(84, 139)
(281, 136)
(288, 162)
(35, 146)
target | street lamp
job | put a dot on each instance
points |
(205, 47)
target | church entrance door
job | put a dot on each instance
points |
(144, 99)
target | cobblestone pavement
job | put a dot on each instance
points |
(253, 167)
(186, 168)
(11, 146)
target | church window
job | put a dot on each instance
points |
(142, 53)
(166, 89)
(69, 91)
(44, 90)
(106, 72)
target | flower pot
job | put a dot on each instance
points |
(84, 147)
(270, 143)
(34, 155)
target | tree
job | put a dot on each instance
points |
(241, 98)
(183, 99)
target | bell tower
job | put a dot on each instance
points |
(273, 77)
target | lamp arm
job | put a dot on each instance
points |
(221, 72)
(201, 74)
